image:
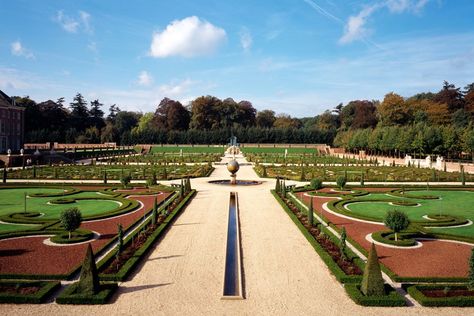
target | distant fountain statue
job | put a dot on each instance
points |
(233, 167)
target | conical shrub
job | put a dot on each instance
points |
(89, 280)
(372, 281)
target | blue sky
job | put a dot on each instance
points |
(299, 57)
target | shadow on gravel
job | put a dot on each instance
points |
(165, 257)
(13, 252)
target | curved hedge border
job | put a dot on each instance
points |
(393, 298)
(406, 239)
(68, 191)
(416, 292)
(398, 192)
(332, 266)
(77, 236)
(46, 288)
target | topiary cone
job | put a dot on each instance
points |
(89, 280)
(372, 281)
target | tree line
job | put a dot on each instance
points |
(425, 123)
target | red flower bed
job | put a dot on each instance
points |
(349, 267)
(29, 255)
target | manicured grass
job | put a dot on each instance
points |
(12, 200)
(187, 149)
(454, 203)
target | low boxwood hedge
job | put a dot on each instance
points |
(69, 295)
(80, 235)
(416, 292)
(46, 288)
(393, 298)
(332, 266)
(406, 239)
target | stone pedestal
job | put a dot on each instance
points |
(233, 178)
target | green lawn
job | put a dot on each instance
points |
(188, 149)
(13, 200)
(456, 203)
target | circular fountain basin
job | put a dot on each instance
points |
(238, 182)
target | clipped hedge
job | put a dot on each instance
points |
(69, 295)
(393, 298)
(46, 288)
(79, 235)
(332, 266)
(128, 267)
(416, 292)
(404, 239)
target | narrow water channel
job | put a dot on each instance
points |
(232, 273)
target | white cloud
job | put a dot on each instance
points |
(176, 89)
(188, 37)
(73, 25)
(85, 20)
(145, 79)
(355, 27)
(400, 6)
(18, 49)
(245, 39)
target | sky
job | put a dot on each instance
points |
(298, 57)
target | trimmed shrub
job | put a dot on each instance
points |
(343, 245)
(125, 180)
(89, 280)
(71, 219)
(341, 182)
(396, 221)
(316, 184)
(372, 281)
(310, 212)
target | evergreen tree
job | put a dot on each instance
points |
(105, 176)
(89, 279)
(343, 243)
(372, 281)
(362, 178)
(310, 212)
(154, 214)
(119, 239)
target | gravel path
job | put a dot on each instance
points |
(184, 274)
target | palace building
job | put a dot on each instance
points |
(12, 124)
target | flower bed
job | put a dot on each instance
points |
(345, 270)
(69, 295)
(26, 292)
(442, 295)
(392, 298)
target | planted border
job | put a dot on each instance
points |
(46, 288)
(69, 295)
(416, 292)
(393, 298)
(332, 266)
